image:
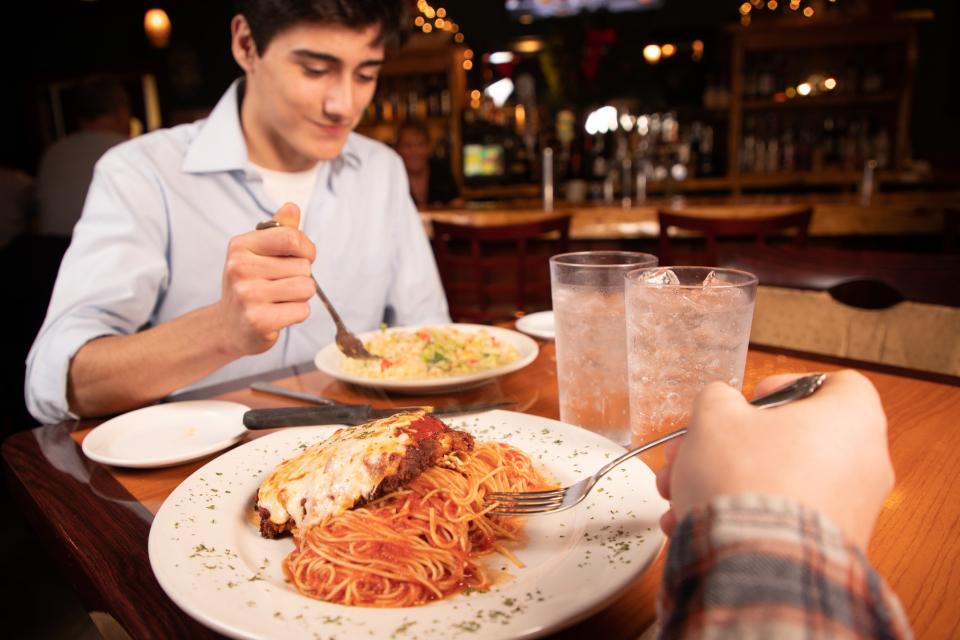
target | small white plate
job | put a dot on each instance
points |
(166, 434)
(330, 361)
(213, 563)
(538, 325)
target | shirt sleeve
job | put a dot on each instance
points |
(416, 294)
(751, 566)
(110, 278)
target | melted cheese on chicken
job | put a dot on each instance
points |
(329, 478)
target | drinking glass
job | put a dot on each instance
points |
(590, 324)
(686, 327)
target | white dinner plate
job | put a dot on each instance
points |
(330, 361)
(538, 325)
(166, 434)
(212, 562)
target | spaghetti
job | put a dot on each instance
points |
(419, 543)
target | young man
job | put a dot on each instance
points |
(167, 285)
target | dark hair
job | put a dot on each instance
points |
(267, 18)
(97, 97)
(416, 126)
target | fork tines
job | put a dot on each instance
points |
(527, 503)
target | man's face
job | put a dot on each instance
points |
(414, 148)
(310, 87)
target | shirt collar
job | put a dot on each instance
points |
(220, 146)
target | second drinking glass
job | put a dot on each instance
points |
(590, 322)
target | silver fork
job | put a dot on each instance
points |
(348, 343)
(551, 501)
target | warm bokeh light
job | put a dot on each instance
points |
(418, 21)
(427, 28)
(830, 84)
(668, 50)
(475, 94)
(803, 89)
(790, 92)
(808, 12)
(467, 65)
(772, 5)
(745, 20)
(441, 13)
(745, 8)
(468, 54)
(526, 18)
(458, 37)
(697, 49)
(156, 23)
(651, 53)
(438, 23)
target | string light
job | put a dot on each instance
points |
(651, 53)
(467, 65)
(436, 20)
(772, 5)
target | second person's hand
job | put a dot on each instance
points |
(828, 452)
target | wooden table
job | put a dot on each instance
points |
(95, 519)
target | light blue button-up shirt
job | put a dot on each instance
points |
(152, 240)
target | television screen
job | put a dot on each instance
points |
(560, 8)
(482, 160)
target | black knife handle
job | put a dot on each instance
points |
(349, 414)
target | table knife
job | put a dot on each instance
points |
(266, 387)
(348, 414)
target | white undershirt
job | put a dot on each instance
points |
(286, 186)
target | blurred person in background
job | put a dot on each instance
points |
(431, 182)
(102, 110)
(16, 203)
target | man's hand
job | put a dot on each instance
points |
(267, 284)
(828, 452)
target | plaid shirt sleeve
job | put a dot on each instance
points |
(751, 566)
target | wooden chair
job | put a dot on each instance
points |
(492, 272)
(713, 228)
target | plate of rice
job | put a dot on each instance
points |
(431, 358)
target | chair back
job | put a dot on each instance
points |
(713, 228)
(492, 272)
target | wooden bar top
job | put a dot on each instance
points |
(908, 213)
(95, 519)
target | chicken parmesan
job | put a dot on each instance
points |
(392, 513)
(354, 465)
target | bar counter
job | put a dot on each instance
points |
(834, 215)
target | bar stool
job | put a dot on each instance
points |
(497, 272)
(757, 227)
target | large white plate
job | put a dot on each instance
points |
(166, 434)
(538, 325)
(330, 361)
(213, 563)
